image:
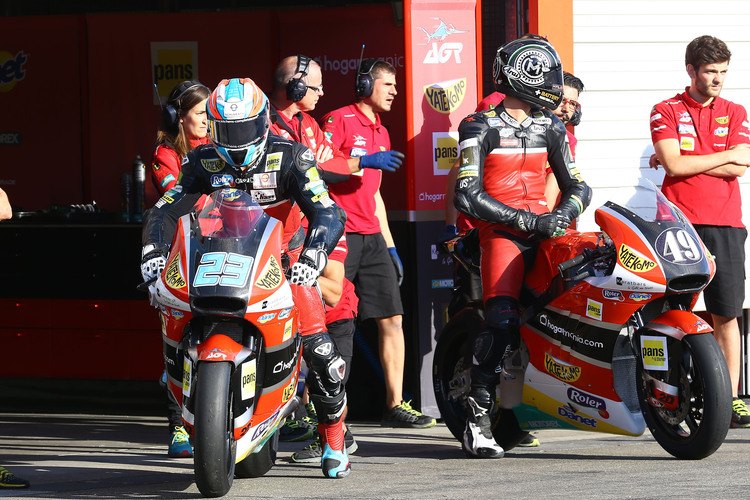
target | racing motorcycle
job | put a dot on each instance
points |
(232, 347)
(608, 340)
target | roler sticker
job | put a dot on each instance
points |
(247, 390)
(633, 260)
(654, 353)
(173, 275)
(561, 370)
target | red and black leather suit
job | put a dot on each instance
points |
(500, 184)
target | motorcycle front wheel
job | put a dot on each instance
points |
(699, 424)
(257, 464)
(214, 445)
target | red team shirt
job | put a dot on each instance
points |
(165, 165)
(701, 130)
(355, 135)
(303, 128)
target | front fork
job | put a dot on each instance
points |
(659, 347)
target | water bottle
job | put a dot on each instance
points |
(139, 189)
(126, 197)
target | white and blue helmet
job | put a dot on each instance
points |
(238, 121)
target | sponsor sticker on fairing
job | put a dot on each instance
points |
(247, 389)
(654, 353)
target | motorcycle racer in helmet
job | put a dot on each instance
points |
(529, 69)
(238, 121)
(283, 178)
(504, 153)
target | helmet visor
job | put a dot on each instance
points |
(236, 134)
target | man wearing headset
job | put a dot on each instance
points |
(373, 264)
(297, 86)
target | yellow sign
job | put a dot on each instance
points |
(654, 353)
(634, 261)
(270, 275)
(173, 275)
(172, 63)
(564, 372)
(247, 389)
(445, 97)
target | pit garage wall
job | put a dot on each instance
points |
(78, 96)
(630, 55)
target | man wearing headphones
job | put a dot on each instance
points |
(373, 264)
(297, 86)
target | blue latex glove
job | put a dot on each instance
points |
(397, 264)
(384, 160)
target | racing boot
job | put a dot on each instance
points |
(478, 441)
(335, 461)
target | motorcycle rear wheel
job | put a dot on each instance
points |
(452, 380)
(257, 464)
(215, 447)
(699, 425)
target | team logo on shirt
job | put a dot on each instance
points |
(359, 140)
(222, 180)
(685, 129)
(721, 131)
(212, 165)
(722, 120)
(264, 180)
(687, 144)
(685, 117)
(273, 161)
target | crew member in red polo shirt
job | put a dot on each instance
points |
(373, 264)
(297, 87)
(703, 143)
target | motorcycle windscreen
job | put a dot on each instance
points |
(684, 258)
(229, 213)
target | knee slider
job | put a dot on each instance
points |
(326, 367)
(502, 312)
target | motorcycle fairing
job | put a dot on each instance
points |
(545, 398)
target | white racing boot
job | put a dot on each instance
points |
(478, 440)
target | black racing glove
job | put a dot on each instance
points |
(544, 225)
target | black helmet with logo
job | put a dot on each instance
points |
(529, 69)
